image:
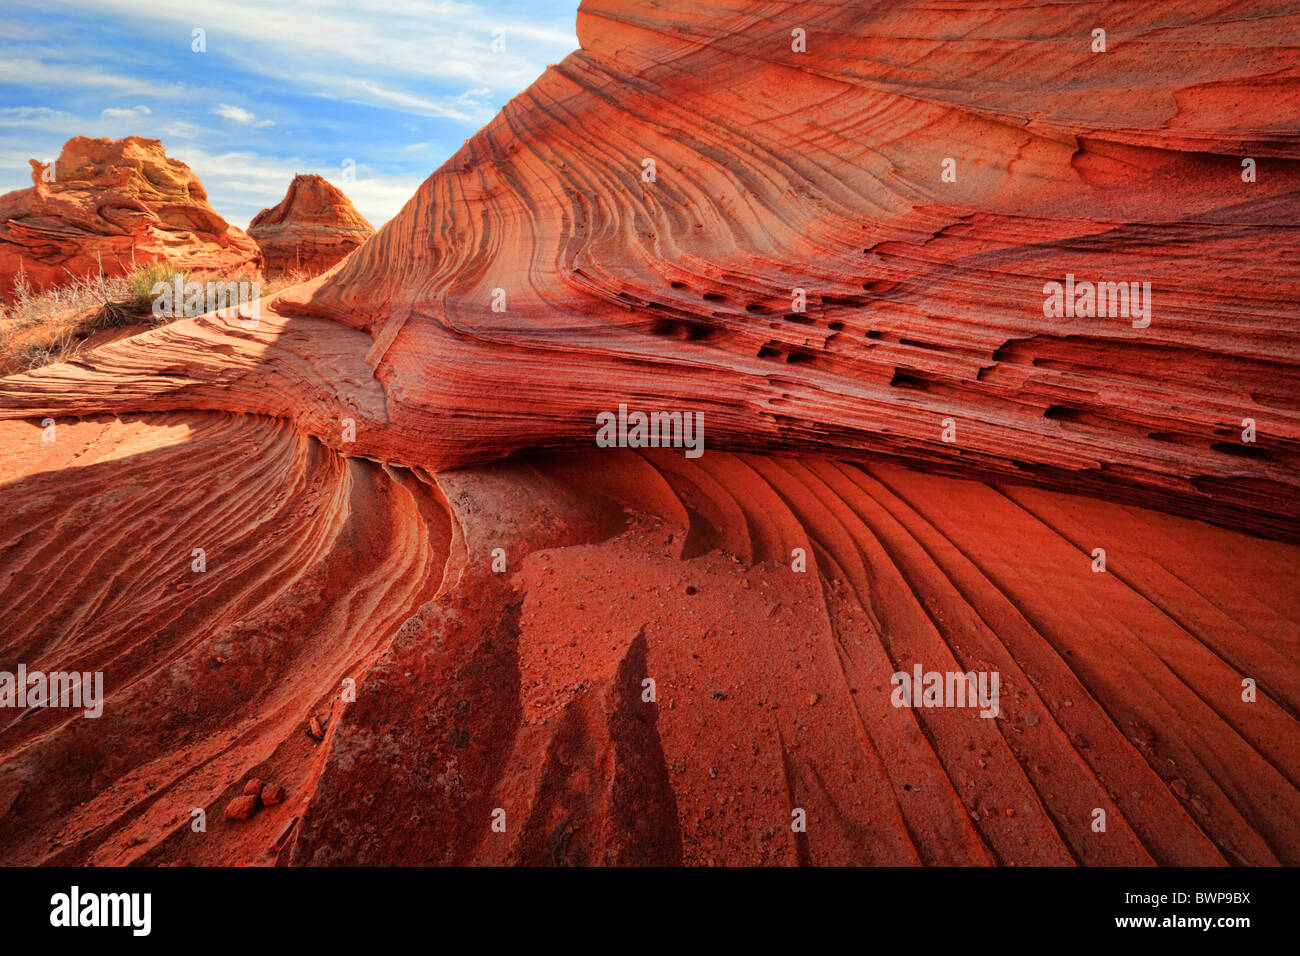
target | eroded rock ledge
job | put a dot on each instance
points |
(778, 170)
(500, 615)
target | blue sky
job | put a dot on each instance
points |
(283, 87)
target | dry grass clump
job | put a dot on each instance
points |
(284, 280)
(38, 328)
(41, 328)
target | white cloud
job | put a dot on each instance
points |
(20, 114)
(14, 30)
(370, 93)
(181, 130)
(239, 115)
(24, 72)
(404, 54)
(133, 112)
(379, 198)
(45, 119)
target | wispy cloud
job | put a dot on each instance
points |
(398, 54)
(239, 115)
(280, 87)
(43, 119)
(34, 73)
(24, 114)
(179, 129)
(130, 112)
(369, 92)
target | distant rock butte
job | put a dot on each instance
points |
(311, 229)
(115, 204)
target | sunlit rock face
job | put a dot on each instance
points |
(921, 456)
(112, 205)
(312, 228)
(923, 299)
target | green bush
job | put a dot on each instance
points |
(145, 278)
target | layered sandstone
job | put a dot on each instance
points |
(777, 170)
(311, 229)
(924, 337)
(418, 631)
(520, 685)
(110, 206)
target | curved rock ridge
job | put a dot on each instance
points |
(777, 170)
(923, 336)
(313, 227)
(525, 691)
(112, 205)
(500, 624)
(211, 674)
(301, 547)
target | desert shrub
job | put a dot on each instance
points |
(38, 328)
(143, 280)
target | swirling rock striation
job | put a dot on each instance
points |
(446, 653)
(500, 624)
(776, 170)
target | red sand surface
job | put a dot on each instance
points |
(334, 557)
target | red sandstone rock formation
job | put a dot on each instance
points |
(312, 228)
(523, 690)
(113, 205)
(500, 620)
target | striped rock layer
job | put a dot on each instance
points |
(523, 689)
(777, 170)
(629, 656)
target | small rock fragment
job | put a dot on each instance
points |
(241, 808)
